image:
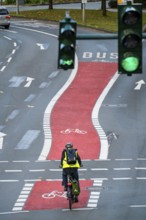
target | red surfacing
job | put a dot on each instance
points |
(50, 195)
(74, 108)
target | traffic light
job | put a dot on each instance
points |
(67, 43)
(130, 38)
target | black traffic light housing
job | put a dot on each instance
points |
(130, 38)
(67, 43)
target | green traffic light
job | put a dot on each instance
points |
(66, 62)
(130, 64)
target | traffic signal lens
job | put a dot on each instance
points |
(67, 43)
(131, 16)
(130, 64)
(67, 60)
(131, 41)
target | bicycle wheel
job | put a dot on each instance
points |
(69, 196)
(70, 203)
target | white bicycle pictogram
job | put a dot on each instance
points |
(70, 130)
(54, 194)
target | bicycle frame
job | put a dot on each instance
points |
(70, 195)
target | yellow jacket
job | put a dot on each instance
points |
(66, 165)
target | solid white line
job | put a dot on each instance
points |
(140, 168)
(122, 168)
(10, 58)
(141, 158)
(124, 178)
(8, 38)
(13, 51)
(46, 123)
(78, 209)
(20, 161)
(41, 170)
(141, 178)
(8, 213)
(94, 169)
(3, 68)
(60, 170)
(120, 159)
(137, 206)
(8, 181)
(12, 171)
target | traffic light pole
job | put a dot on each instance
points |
(100, 36)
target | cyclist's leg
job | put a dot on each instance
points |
(64, 177)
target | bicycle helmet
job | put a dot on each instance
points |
(69, 145)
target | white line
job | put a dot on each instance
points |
(95, 118)
(8, 38)
(8, 213)
(141, 178)
(140, 168)
(56, 170)
(125, 159)
(20, 161)
(39, 170)
(92, 205)
(32, 180)
(78, 209)
(9, 60)
(12, 171)
(8, 181)
(3, 68)
(13, 51)
(137, 206)
(46, 123)
(141, 158)
(124, 178)
(122, 168)
(94, 169)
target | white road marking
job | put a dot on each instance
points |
(137, 206)
(44, 46)
(16, 81)
(27, 139)
(3, 68)
(2, 135)
(29, 81)
(120, 169)
(13, 114)
(46, 123)
(30, 98)
(95, 115)
(139, 84)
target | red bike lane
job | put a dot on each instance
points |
(71, 122)
(71, 116)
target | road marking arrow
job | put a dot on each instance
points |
(29, 81)
(43, 46)
(139, 84)
(1, 139)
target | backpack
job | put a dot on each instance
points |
(71, 156)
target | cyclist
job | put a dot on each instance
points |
(71, 169)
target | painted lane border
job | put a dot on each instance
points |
(95, 119)
(95, 113)
(47, 114)
(18, 206)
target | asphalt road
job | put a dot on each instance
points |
(29, 79)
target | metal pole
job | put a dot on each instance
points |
(100, 36)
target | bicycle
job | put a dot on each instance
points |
(71, 196)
